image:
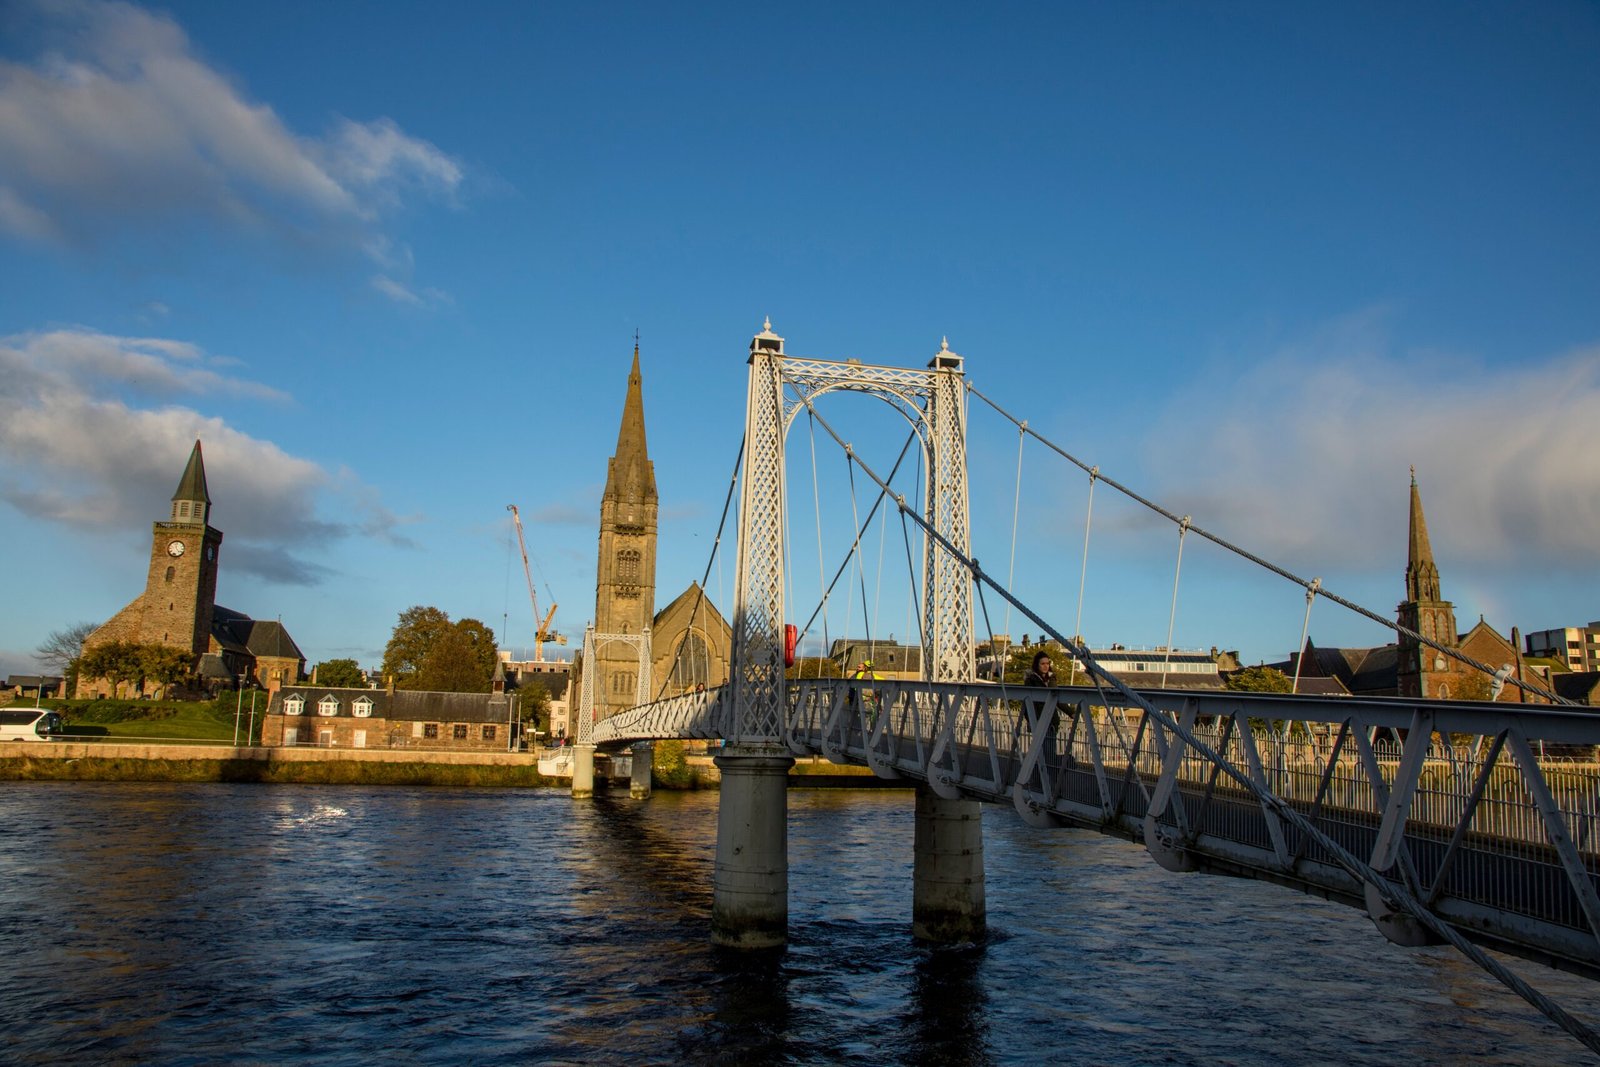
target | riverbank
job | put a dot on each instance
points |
(69, 761)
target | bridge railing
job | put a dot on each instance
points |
(1449, 803)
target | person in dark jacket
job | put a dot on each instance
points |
(1043, 674)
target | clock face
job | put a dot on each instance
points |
(175, 548)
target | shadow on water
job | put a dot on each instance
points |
(947, 1022)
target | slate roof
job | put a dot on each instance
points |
(238, 632)
(1359, 671)
(1582, 686)
(401, 705)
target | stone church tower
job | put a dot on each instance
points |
(625, 578)
(1421, 670)
(180, 589)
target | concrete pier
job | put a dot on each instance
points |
(582, 772)
(750, 903)
(644, 755)
(947, 896)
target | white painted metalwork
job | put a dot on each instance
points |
(1505, 849)
(592, 643)
(934, 402)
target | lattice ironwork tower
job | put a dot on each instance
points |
(750, 905)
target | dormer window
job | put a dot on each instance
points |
(295, 704)
(362, 707)
(328, 705)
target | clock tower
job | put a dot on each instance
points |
(182, 584)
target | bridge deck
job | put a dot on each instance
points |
(1501, 846)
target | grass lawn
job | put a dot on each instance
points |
(173, 720)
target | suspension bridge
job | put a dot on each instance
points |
(1445, 821)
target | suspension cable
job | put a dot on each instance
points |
(1016, 509)
(727, 501)
(1395, 894)
(1305, 628)
(1221, 542)
(1183, 528)
(1083, 568)
(860, 532)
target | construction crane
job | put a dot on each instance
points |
(541, 629)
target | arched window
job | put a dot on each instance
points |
(624, 683)
(693, 666)
(294, 704)
(328, 705)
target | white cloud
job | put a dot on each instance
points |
(77, 448)
(121, 125)
(402, 294)
(1305, 457)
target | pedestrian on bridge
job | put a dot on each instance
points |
(1042, 674)
(869, 698)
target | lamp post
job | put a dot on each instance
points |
(238, 706)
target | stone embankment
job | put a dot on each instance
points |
(132, 761)
(136, 762)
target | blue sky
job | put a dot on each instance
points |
(387, 260)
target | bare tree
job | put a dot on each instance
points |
(58, 650)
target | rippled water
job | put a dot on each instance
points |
(176, 924)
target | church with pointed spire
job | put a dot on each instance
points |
(690, 640)
(1410, 667)
(178, 607)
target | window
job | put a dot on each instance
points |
(459, 731)
(328, 705)
(291, 735)
(488, 733)
(624, 683)
(431, 730)
(359, 739)
(362, 707)
(628, 566)
(693, 665)
(295, 704)
(171, 571)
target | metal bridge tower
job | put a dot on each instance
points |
(750, 905)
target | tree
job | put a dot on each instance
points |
(461, 660)
(1260, 679)
(164, 665)
(339, 673)
(814, 667)
(535, 706)
(118, 662)
(414, 636)
(58, 650)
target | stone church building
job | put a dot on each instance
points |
(690, 640)
(178, 607)
(1409, 668)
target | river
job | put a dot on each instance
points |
(204, 923)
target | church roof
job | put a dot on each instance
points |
(193, 484)
(238, 632)
(629, 472)
(694, 603)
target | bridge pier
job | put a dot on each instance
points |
(582, 772)
(750, 902)
(947, 897)
(644, 758)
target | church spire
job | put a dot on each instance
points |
(191, 502)
(631, 475)
(1422, 576)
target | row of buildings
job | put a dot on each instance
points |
(689, 643)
